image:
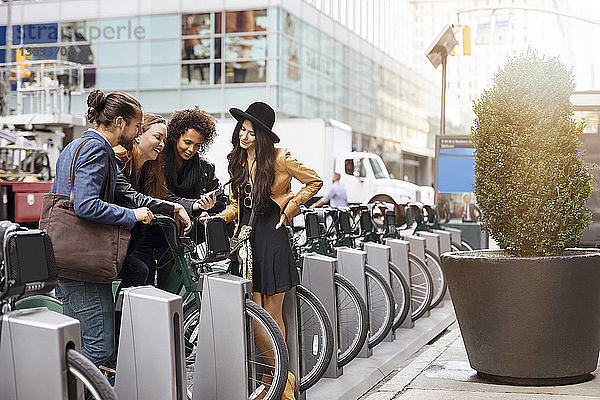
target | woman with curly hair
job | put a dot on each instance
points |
(261, 196)
(189, 176)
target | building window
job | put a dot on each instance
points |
(239, 47)
(246, 21)
(196, 24)
(245, 71)
(201, 74)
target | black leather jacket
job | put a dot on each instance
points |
(127, 195)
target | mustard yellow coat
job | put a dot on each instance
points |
(289, 203)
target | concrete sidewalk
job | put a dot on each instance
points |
(362, 374)
(441, 371)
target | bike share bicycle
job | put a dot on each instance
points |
(38, 344)
(325, 230)
(315, 334)
(433, 222)
(388, 226)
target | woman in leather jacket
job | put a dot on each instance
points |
(261, 196)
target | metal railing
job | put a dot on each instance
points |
(43, 85)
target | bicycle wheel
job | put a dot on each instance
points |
(40, 300)
(437, 275)
(315, 335)
(421, 286)
(84, 377)
(380, 300)
(352, 320)
(466, 245)
(401, 291)
(270, 364)
(267, 360)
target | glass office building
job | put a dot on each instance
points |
(293, 56)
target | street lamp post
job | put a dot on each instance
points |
(437, 53)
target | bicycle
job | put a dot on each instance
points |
(323, 234)
(432, 221)
(315, 332)
(421, 283)
(27, 266)
(432, 260)
(352, 325)
(270, 365)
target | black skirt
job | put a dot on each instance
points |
(274, 270)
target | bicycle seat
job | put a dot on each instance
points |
(358, 207)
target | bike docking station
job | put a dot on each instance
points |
(434, 243)
(318, 277)
(351, 264)
(399, 256)
(150, 361)
(416, 245)
(445, 240)
(34, 347)
(221, 368)
(378, 257)
(455, 234)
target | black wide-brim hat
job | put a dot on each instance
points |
(258, 113)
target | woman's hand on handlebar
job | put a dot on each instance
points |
(143, 214)
(182, 216)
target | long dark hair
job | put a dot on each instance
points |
(265, 166)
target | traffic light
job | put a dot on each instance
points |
(466, 41)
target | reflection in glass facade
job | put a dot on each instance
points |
(220, 59)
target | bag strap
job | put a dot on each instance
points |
(237, 227)
(251, 217)
(73, 161)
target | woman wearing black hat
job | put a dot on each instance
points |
(261, 182)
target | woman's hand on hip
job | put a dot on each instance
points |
(282, 221)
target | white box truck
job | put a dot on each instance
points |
(325, 145)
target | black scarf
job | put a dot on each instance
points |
(184, 183)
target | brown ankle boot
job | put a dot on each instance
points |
(290, 387)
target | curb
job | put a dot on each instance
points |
(361, 374)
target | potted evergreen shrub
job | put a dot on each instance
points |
(529, 313)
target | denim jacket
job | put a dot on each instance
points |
(95, 172)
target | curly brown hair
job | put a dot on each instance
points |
(193, 118)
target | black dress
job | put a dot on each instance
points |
(274, 270)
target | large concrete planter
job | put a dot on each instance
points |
(527, 321)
